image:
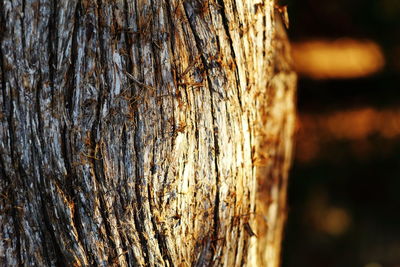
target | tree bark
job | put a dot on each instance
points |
(143, 132)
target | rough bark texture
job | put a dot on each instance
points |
(143, 132)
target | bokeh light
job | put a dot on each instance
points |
(341, 58)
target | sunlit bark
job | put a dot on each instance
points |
(143, 133)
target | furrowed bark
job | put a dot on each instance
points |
(143, 132)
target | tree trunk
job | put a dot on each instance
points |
(143, 132)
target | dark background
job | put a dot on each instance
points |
(344, 203)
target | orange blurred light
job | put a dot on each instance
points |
(325, 217)
(336, 221)
(342, 58)
(354, 125)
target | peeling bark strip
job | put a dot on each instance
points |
(143, 132)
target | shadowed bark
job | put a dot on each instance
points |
(143, 132)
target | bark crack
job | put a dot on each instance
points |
(69, 94)
(225, 23)
(139, 214)
(122, 202)
(60, 257)
(98, 164)
(214, 237)
(11, 132)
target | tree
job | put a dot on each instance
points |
(143, 133)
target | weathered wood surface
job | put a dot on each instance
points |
(143, 132)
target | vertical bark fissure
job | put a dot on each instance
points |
(42, 181)
(69, 90)
(52, 48)
(10, 184)
(23, 176)
(128, 44)
(11, 132)
(214, 236)
(139, 214)
(9, 195)
(51, 25)
(238, 235)
(60, 258)
(98, 172)
(124, 140)
(125, 240)
(21, 18)
(16, 225)
(158, 84)
(217, 197)
(46, 229)
(176, 94)
(225, 23)
(133, 107)
(253, 175)
(98, 164)
(158, 236)
(71, 185)
(66, 136)
(265, 34)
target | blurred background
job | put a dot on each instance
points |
(344, 189)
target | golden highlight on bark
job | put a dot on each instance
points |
(143, 132)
